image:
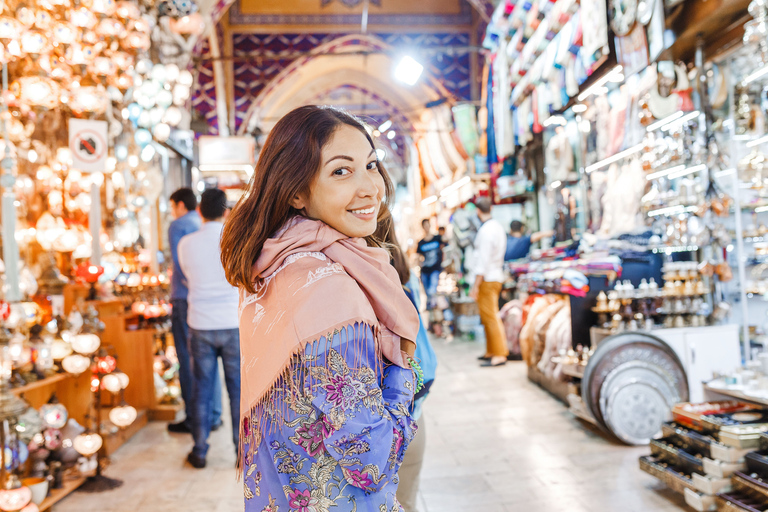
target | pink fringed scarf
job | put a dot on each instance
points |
(304, 292)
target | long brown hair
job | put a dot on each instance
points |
(287, 165)
(385, 234)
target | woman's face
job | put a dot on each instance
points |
(347, 192)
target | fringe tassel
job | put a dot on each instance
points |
(267, 414)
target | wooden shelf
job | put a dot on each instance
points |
(48, 381)
(166, 412)
(70, 486)
(114, 441)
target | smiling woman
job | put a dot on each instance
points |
(347, 193)
(325, 326)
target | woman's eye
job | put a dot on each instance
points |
(373, 166)
(341, 172)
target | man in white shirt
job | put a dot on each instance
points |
(490, 245)
(213, 321)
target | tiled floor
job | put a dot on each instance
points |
(495, 443)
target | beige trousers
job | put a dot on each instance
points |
(408, 488)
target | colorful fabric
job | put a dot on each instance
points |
(338, 429)
(312, 281)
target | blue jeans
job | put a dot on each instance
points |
(180, 331)
(207, 347)
(430, 279)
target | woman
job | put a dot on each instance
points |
(325, 328)
(410, 471)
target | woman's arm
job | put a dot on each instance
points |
(363, 407)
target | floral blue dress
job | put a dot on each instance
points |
(338, 428)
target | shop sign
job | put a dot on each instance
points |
(88, 143)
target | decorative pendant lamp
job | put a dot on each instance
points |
(75, 364)
(123, 416)
(87, 444)
(86, 344)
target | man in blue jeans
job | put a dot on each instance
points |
(213, 321)
(184, 210)
(431, 251)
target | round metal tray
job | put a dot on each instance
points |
(624, 348)
(636, 410)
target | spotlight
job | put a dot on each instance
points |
(408, 70)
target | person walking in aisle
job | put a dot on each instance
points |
(212, 320)
(187, 220)
(327, 330)
(431, 250)
(490, 245)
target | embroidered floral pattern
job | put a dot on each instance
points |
(310, 436)
(324, 438)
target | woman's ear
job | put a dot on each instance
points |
(298, 202)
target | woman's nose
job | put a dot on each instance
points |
(369, 186)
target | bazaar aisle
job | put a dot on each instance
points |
(496, 443)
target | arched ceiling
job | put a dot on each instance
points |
(260, 38)
(278, 55)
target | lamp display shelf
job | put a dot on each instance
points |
(114, 440)
(70, 485)
(42, 383)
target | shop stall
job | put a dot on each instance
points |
(93, 132)
(643, 136)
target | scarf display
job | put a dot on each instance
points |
(303, 293)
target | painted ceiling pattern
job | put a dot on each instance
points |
(259, 57)
(253, 74)
(372, 109)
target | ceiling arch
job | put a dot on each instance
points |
(362, 61)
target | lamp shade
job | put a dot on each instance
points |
(86, 344)
(75, 364)
(124, 380)
(10, 28)
(12, 500)
(37, 91)
(111, 383)
(87, 444)
(123, 416)
(60, 349)
(54, 415)
(106, 364)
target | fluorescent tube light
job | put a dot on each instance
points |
(757, 142)
(615, 158)
(592, 89)
(662, 122)
(679, 122)
(665, 172)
